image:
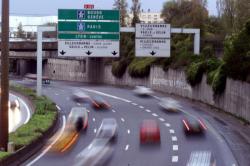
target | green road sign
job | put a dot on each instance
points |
(88, 26)
(74, 14)
(89, 36)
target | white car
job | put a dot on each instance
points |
(78, 118)
(170, 105)
(143, 91)
(79, 96)
(108, 129)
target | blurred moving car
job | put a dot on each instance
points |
(100, 149)
(170, 105)
(14, 104)
(99, 103)
(79, 96)
(78, 118)
(150, 132)
(108, 129)
(201, 158)
(97, 153)
(193, 125)
(143, 91)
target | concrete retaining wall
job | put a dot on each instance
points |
(235, 100)
(68, 70)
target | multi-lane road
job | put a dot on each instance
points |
(130, 110)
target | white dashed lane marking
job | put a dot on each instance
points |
(161, 119)
(148, 111)
(68, 98)
(56, 94)
(134, 104)
(167, 124)
(141, 107)
(126, 148)
(175, 147)
(113, 111)
(58, 107)
(122, 119)
(78, 104)
(174, 138)
(174, 159)
(128, 131)
(95, 130)
(155, 115)
(171, 131)
(93, 119)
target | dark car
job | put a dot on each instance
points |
(193, 125)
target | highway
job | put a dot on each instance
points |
(130, 110)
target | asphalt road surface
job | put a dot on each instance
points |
(130, 110)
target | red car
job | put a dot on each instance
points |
(193, 125)
(150, 132)
(100, 103)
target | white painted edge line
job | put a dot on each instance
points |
(161, 119)
(134, 104)
(128, 131)
(154, 114)
(148, 111)
(158, 98)
(174, 159)
(93, 119)
(141, 107)
(171, 131)
(122, 119)
(58, 107)
(95, 130)
(113, 111)
(27, 109)
(105, 94)
(126, 148)
(175, 147)
(174, 138)
(47, 149)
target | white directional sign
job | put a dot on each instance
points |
(153, 31)
(153, 40)
(152, 47)
(89, 48)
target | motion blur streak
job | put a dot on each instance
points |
(203, 125)
(70, 143)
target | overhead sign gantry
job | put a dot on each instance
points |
(88, 33)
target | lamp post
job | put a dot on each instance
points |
(4, 118)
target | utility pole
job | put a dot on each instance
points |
(4, 118)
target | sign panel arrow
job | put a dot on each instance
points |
(152, 53)
(88, 53)
(62, 52)
(114, 53)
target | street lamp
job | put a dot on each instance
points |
(4, 126)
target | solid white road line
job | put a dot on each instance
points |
(105, 94)
(27, 109)
(174, 138)
(148, 111)
(171, 131)
(126, 148)
(128, 131)
(154, 114)
(122, 119)
(174, 159)
(175, 147)
(47, 149)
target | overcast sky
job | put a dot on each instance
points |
(49, 7)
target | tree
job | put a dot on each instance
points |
(20, 31)
(122, 5)
(136, 8)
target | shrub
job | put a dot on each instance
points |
(119, 68)
(140, 68)
(195, 72)
(4, 155)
